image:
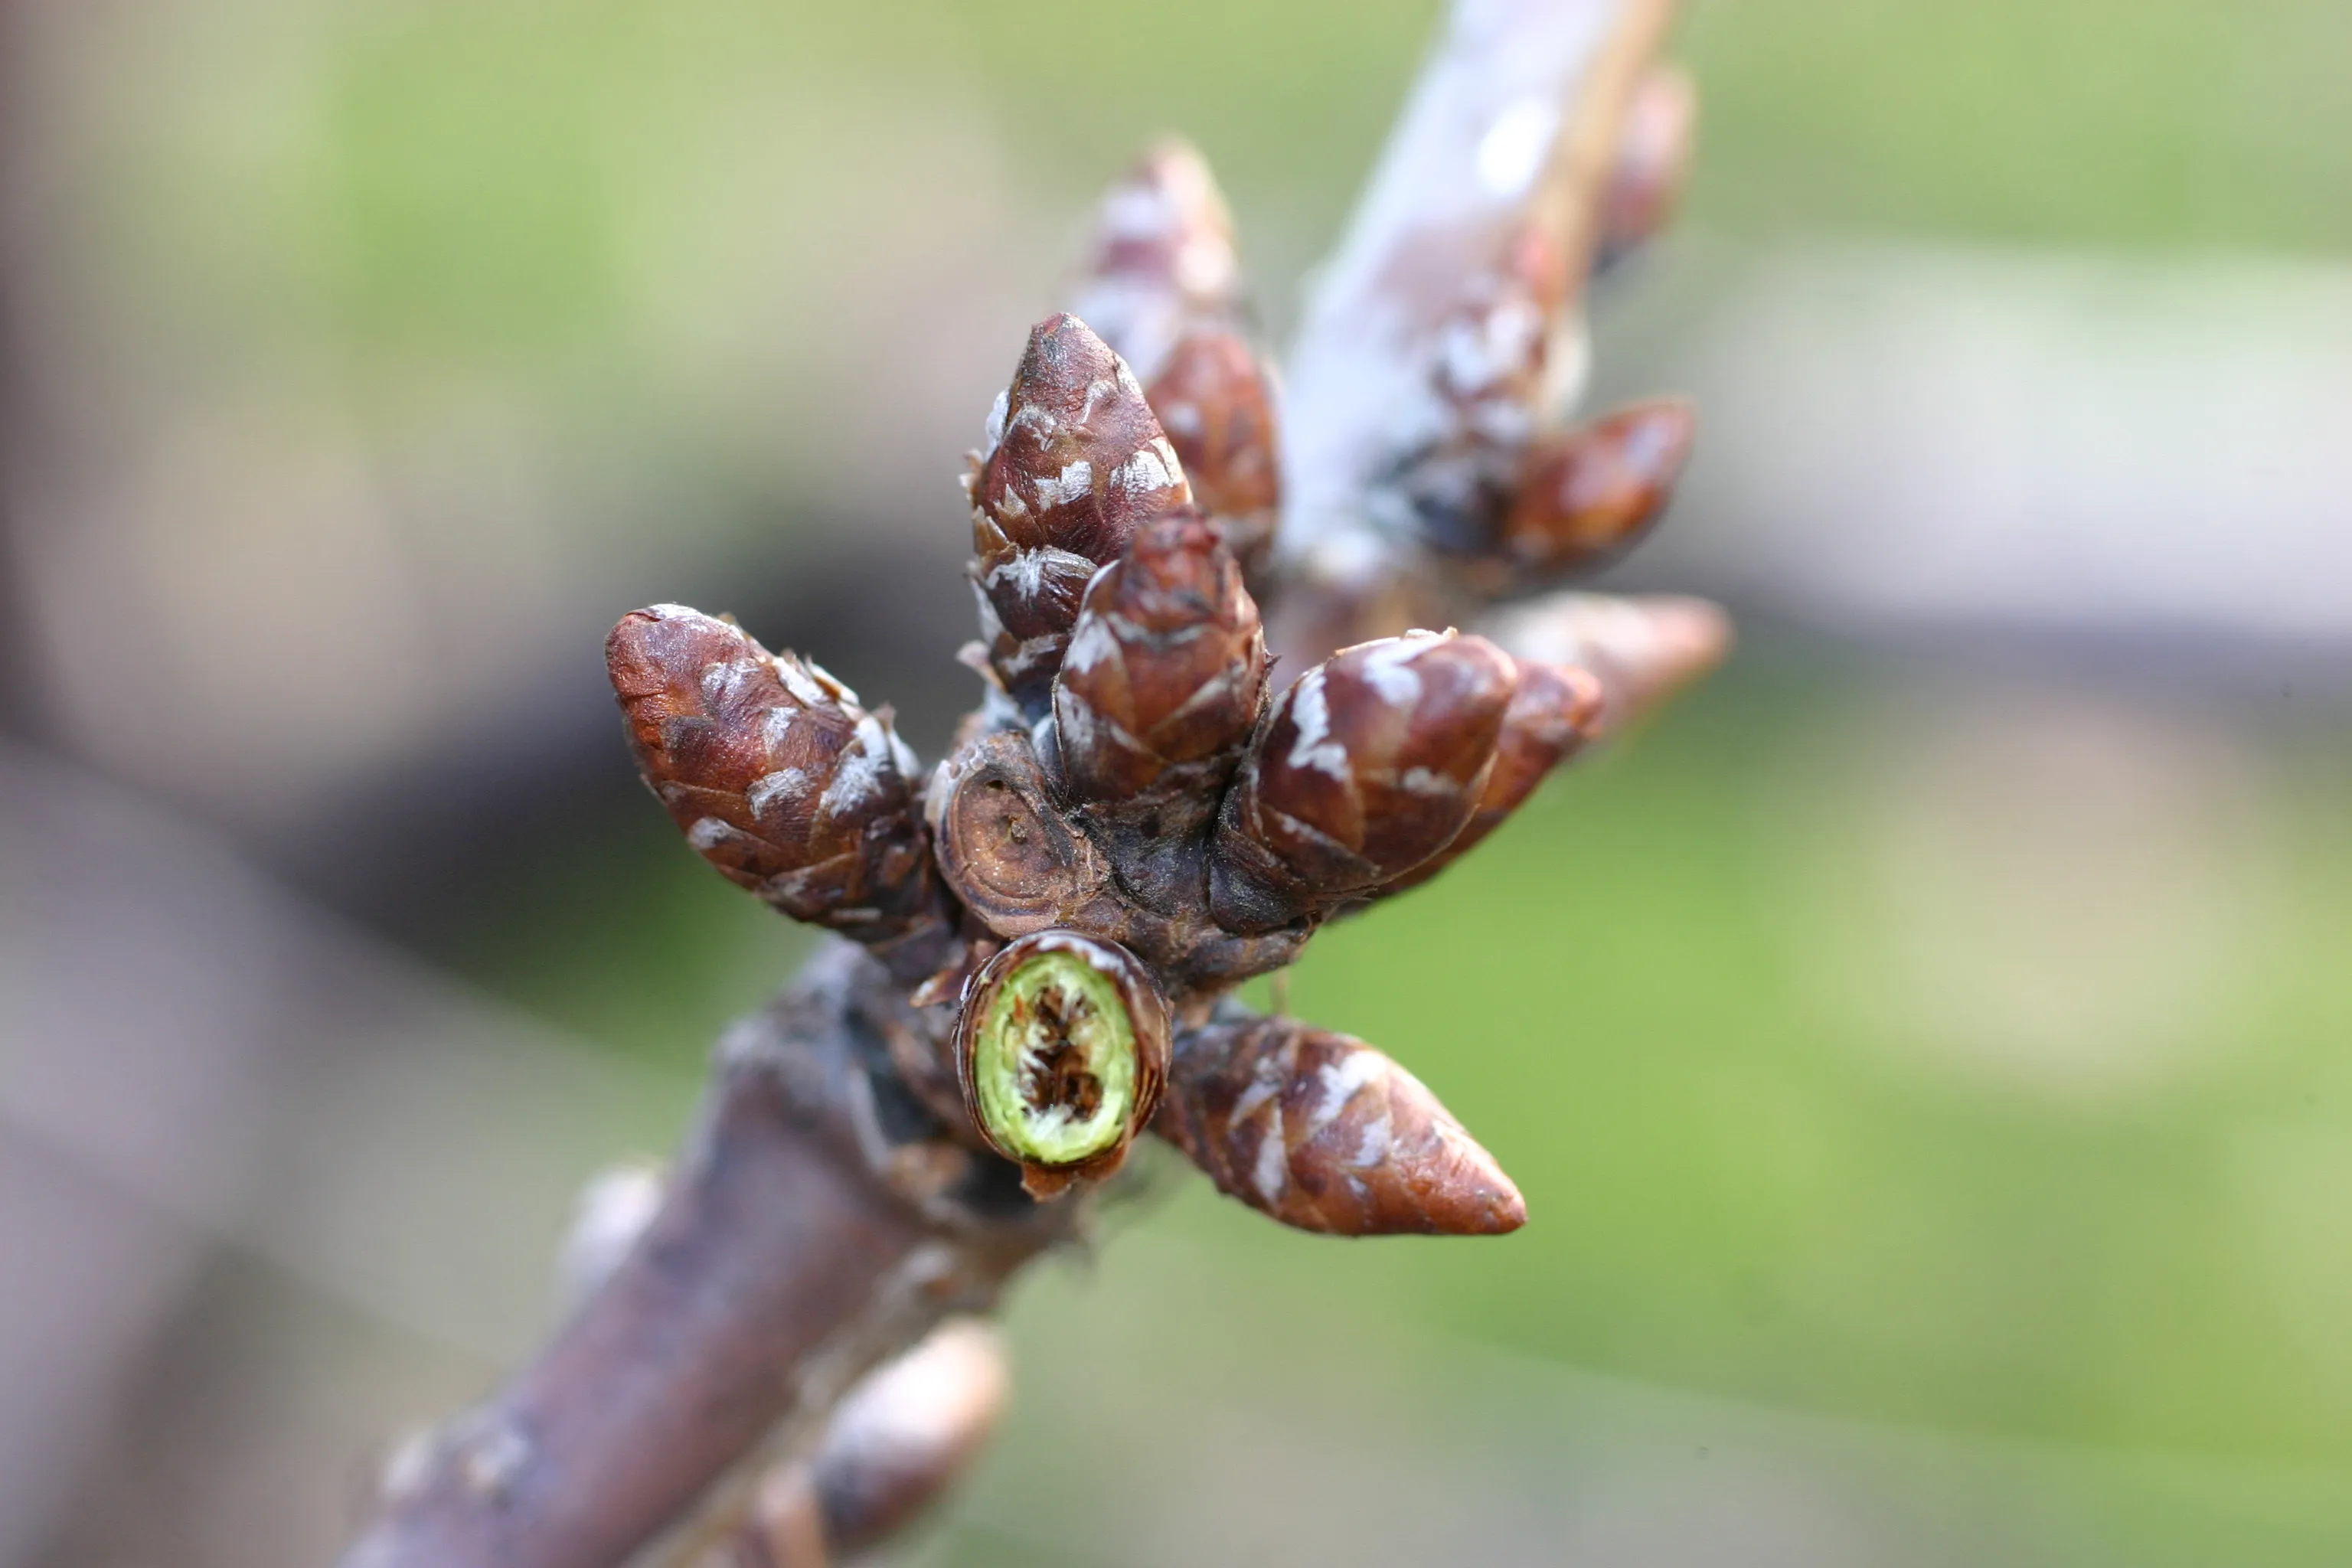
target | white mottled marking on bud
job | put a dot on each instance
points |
(677, 612)
(804, 690)
(1150, 469)
(721, 681)
(1388, 668)
(775, 726)
(1268, 1171)
(1373, 1146)
(783, 785)
(1309, 711)
(1093, 644)
(1034, 419)
(858, 770)
(1427, 782)
(1101, 388)
(1263, 1086)
(708, 833)
(1076, 479)
(1341, 1081)
(992, 435)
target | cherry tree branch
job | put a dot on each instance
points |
(833, 1203)
(794, 1249)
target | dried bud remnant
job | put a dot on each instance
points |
(1325, 1133)
(1063, 1047)
(1373, 762)
(1074, 463)
(775, 773)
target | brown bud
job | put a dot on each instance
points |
(1554, 711)
(1215, 399)
(776, 774)
(1653, 162)
(1164, 677)
(1325, 1133)
(1162, 256)
(1372, 761)
(1588, 494)
(1075, 462)
(1062, 1044)
(1643, 649)
(1499, 362)
(906, 1434)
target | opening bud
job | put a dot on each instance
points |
(1063, 1047)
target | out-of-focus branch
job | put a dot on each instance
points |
(1446, 342)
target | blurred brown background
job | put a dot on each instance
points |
(1927, 1051)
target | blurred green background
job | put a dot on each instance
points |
(1924, 1057)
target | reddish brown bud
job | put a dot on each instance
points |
(909, 1432)
(1216, 402)
(1373, 762)
(1653, 162)
(1062, 1044)
(1162, 256)
(1555, 710)
(776, 774)
(1165, 674)
(1643, 649)
(1074, 463)
(1588, 494)
(1325, 1133)
(905, 1435)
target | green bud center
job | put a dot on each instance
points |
(1053, 1062)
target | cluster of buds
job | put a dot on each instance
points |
(1073, 462)
(1137, 817)
(1163, 287)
